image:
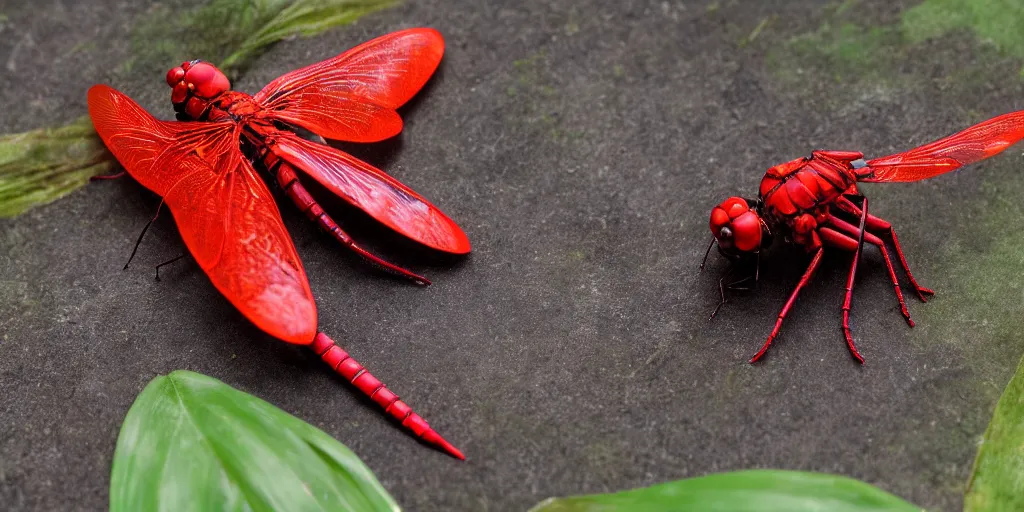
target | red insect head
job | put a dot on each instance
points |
(193, 85)
(737, 226)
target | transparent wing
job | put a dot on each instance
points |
(353, 96)
(978, 142)
(225, 213)
(373, 191)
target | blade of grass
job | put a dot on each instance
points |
(40, 166)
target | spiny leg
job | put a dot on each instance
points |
(879, 224)
(850, 230)
(789, 304)
(290, 184)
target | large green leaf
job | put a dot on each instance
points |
(741, 491)
(997, 483)
(193, 443)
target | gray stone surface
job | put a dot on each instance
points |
(581, 145)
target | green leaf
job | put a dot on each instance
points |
(997, 483)
(40, 166)
(741, 491)
(193, 443)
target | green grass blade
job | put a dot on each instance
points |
(193, 443)
(741, 491)
(40, 166)
(997, 482)
(303, 17)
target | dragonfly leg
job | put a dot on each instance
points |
(850, 230)
(143, 234)
(837, 239)
(289, 182)
(103, 177)
(723, 286)
(808, 274)
(168, 262)
(879, 225)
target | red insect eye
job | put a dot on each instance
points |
(718, 219)
(747, 228)
(735, 208)
(175, 75)
(207, 79)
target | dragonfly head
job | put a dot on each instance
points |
(193, 85)
(738, 228)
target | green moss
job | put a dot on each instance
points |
(1000, 22)
(849, 51)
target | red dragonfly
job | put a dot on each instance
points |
(811, 201)
(204, 167)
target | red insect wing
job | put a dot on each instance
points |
(978, 142)
(225, 213)
(353, 96)
(373, 191)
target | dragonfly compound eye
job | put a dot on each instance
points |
(736, 225)
(206, 79)
(175, 75)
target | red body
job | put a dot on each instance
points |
(796, 195)
(810, 202)
(207, 169)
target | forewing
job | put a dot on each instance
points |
(225, 214)
(151, 150)
(373, 191)
(950, 153)
(257, 267)
(353, 96)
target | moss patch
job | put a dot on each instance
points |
(854, 52)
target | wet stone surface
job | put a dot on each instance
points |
(581, 147)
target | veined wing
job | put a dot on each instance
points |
(978, 142)
(225, 213)
(353, 96)
(373, 191)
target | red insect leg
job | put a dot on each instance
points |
(789, 304)
(351, 370)
(103, 177)
(293, 188)
(878, 224)
(834, 238)
(850, 230)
